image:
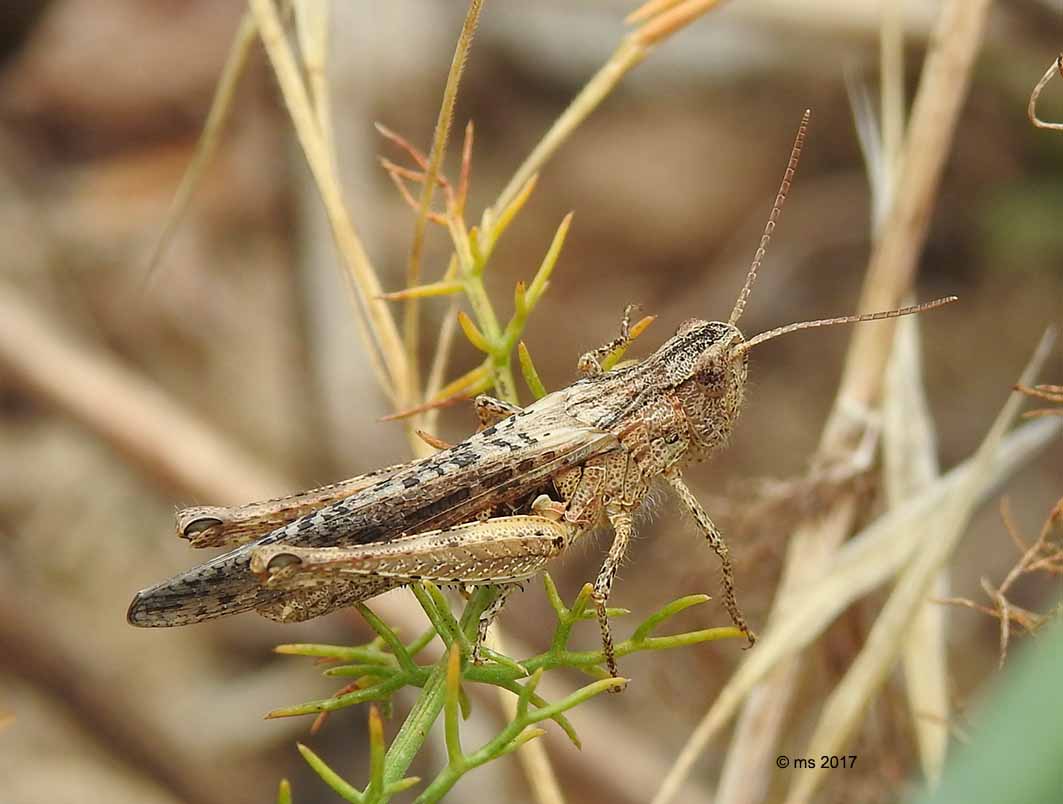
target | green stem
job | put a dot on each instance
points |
(439, 147)
(429, 704)
(626, 56)
(418, 723)
(500, 365)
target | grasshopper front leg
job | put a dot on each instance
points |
(590, 364)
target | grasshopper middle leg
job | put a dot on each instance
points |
(621, 522)
(716, 542)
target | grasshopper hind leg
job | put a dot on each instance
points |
(499, 551)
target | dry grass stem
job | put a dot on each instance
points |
(843, 710)
(910, 464)
(909, 438)
(1044, 555)
(869, 559)
(312, 30)
(363, 279)
(629, 54)
(942, 90)
(894, 259)
(140, 421)
(1031, 109)
(665, 22)
(220, 106)
(447, 330)
(649, 10)
(435, 162)
(312, 25)
(891, 94)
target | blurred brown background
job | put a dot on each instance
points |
(244, 327)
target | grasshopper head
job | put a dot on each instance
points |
(710, 379)
(707, 363)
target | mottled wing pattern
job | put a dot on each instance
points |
(501, 464)
(217, 526)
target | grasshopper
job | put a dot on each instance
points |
(496, 507)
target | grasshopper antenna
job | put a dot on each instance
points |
(846, 319)
(776, 211)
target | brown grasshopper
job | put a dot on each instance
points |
(495, 508)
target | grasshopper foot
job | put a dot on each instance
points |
(607, 638)
(477, 655)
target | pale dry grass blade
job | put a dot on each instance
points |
(938, 537)
(312, 24)
(1031, 109)
(669, 20)
(890, 272)
(133, 416)
(364, 282)
(628, 55)
(909, 457)
(868, 560)
(312, 29)
(891, 95)
(436, 374)
(909, 465)
(649, 10)
(440, 140)
(220, 106)
(935, 112)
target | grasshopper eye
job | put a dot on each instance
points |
(710, 376)
(282, 560)
(197, 526)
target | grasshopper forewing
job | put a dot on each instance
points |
(496, 507)
(500, 466)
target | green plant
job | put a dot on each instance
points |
(386, 665)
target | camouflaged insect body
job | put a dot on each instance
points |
(635, 422)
